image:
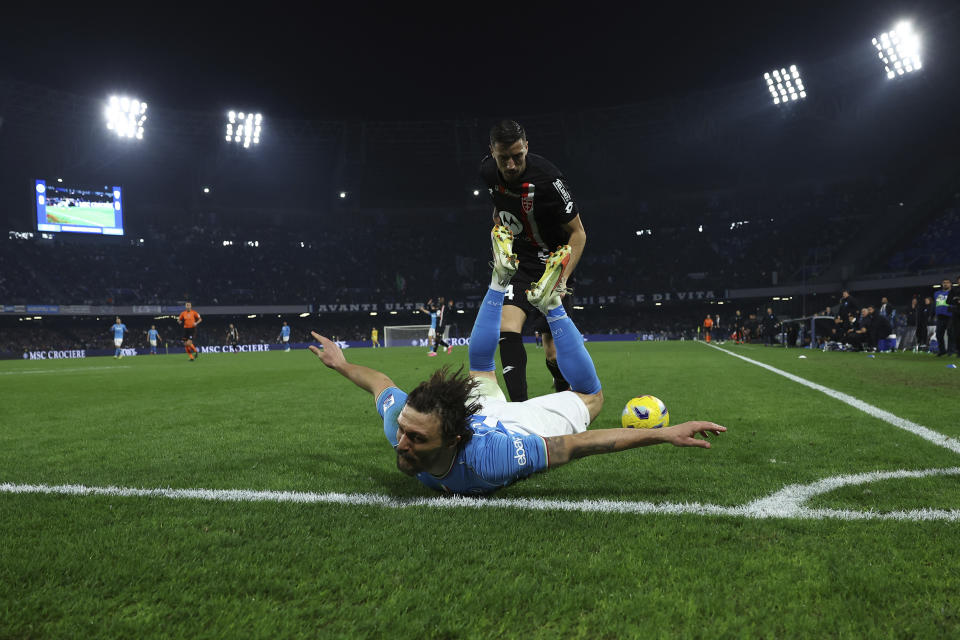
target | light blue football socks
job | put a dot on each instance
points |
(572, 357)
(486, 331)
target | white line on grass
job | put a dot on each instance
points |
(68, 369)
(786, 503)
(901, 423)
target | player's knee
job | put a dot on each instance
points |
(593, 402)
(512, 319)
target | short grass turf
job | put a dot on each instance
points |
(154, 567)
(100, 216)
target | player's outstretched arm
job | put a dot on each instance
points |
(364, 377)
(563, 449)
(421, 308)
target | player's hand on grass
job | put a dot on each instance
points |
(330, 354)
(684, 434)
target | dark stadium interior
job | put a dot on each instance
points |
(856, 184)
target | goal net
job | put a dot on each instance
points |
(410, 335)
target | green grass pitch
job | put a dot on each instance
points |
(99, 215)
(110, 566)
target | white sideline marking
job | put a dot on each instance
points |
(901, 423)
(29, 371)
(786, 503)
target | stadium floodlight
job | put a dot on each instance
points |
(126, 116)
(898, 50)
(245, 127)
(785, 85)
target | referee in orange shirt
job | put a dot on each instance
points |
(189, 319)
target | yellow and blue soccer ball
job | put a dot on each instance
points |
(645, 412)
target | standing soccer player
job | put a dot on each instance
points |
(189, 319)
(431, 310)
(375, 337)
(441, 322)
(153, 337)
(118, 329)
(285, 335)
(531, 197)
(233, 337)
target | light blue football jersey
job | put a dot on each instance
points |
(493, 458)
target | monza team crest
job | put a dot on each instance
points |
(527, 203)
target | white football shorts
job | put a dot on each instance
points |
(555, 414)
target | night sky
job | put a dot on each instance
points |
(443, 61)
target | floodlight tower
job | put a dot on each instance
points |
(244, 127)
(899, 50)
(125, 116)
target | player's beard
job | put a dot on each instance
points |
(512, 177)
(413, 464)
(407, 465)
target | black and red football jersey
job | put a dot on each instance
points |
(535, 208)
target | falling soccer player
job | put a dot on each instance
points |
(458, 434)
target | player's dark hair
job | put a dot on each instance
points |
(506, 132)
(447, 394)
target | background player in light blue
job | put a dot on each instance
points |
(285, 335)
(118, 329)
(457, 433)
(431, 310)
(153, 337)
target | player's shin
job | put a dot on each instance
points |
(486, 331)
(513, 357)
(559, 382)
(572, 356)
